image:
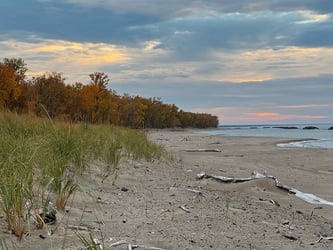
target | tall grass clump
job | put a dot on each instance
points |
(137, 146)
(40, 160)
(16, 182)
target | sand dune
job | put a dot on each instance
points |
(162, 204)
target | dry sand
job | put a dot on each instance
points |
(153, 205)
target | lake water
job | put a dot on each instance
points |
(313, 138)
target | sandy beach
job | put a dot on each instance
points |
(163, 205)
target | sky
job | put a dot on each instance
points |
(245, 61)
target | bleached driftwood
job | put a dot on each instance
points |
(130, 246)
(203, 150)
(80, 228)
(118, 243)
(323, 238)
(147, 248)
(185, 189)
(185, 209)
(310, 198)
(225, 179)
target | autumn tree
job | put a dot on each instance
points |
(18, 66)
(99, 98)
(99, 79)
(9, 89)
(50, 93)
(133, 111)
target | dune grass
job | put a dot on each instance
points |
(40, 159)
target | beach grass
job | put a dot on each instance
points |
(40, 159)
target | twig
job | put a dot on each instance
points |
(289, 237)
(274, 202)
(185, 209)
(147, 248)
(186, 189)
(323, 238)
(118, 243)
(81, 228)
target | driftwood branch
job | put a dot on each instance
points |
(185, 209)
(130, 246)
(118, 243)
(185, 189)
(323, 238)
(79, 228)
(310, 198)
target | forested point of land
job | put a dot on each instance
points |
(48, 94)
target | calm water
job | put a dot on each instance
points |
(323, 138)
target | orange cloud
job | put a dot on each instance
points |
(265, 114)
(75, 60)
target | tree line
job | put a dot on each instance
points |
(48, 94)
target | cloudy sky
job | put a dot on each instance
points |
(246, 61)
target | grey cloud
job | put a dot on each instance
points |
(190, 35)
(263, 96)
(175, 8)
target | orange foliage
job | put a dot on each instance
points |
(95, 103)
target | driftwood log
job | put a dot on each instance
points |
(310, 198)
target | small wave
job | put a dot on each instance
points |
(320, 143)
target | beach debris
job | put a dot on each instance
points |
(82, 228)
(289, 237)
(41, 217)
(149, 248)
(130, 246)
(118, 243)
(98, 243)
(274, 202)
(201, 175)
(225, 179)
(185, 189)
(324, 238)
(99, 200)
(50, 217)
(184, 208)
(203, 150)
(310, 198)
